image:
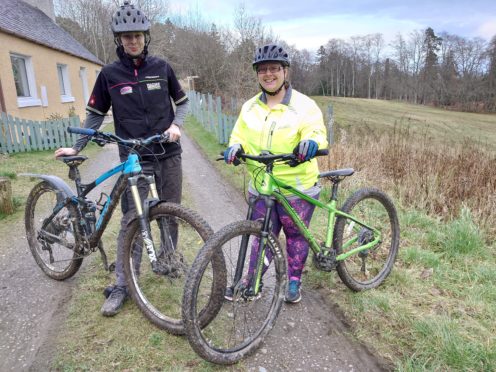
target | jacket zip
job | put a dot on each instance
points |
(271, 132)
(141, 96)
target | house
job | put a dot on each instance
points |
(44, 71)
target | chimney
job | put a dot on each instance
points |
(46, 6)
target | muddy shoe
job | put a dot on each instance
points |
(114, 301)
(293, 295)
(108, 290)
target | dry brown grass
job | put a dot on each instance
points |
(420, 172)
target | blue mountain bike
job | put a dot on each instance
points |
(63, 227)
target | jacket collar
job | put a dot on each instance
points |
(128, 61)
(285, 100)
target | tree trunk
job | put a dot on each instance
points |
(6, 206)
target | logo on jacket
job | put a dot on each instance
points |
(126, 90)
(153, 86)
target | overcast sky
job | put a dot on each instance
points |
(311, 23)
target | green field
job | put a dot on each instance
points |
(438, 123)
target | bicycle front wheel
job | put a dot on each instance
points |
(54, 246)
(178, 234)
(369, 268)
(245, 317)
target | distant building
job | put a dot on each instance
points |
(44, 71)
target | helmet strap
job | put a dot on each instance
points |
(274, 92)
(285, 84)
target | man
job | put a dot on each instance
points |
(139, 88)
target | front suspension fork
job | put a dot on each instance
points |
(256, 279)
(142, 211)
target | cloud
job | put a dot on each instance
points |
(488, 29)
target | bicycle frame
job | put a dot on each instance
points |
(131, 173)
(270, 189)
(271, 186)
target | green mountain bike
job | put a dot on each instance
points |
(361, 243)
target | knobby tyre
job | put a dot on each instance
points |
(241, 323)
(55, 248)
(178, 234)
(369, 268)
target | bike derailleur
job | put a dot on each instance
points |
(325, 260)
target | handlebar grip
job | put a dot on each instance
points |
(322, 152)
(86, 131)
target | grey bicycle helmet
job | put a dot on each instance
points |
(129, 18)
(271, 53)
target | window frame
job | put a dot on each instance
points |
(63, 72)
(32, 99)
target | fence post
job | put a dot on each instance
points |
(330, 124)
(219, 119)
(3, 133)
(203, 104)
(13, 136)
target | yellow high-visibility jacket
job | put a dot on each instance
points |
(279, 130)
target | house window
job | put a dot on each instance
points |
(64, 83)
(22, 69)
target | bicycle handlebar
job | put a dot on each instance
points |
(268, 158)
(109, 137)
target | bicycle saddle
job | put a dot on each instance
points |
(73, 160)
(337, 173)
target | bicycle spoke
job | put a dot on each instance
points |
(368, 267)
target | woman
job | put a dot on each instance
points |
(281, 120)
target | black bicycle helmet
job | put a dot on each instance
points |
(129, 18)
(271, 53)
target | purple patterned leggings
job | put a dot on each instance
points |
(296, 245)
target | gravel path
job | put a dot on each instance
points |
(309, 336)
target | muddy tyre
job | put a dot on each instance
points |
(178, 234)
(369, 268)
(243, 321)
(54, 246)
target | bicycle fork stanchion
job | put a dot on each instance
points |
(264, 236)
(243, 247)
(143, 219)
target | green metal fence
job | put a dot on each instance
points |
(20, 135)
(209, 112)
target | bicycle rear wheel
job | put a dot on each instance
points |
(178, 234)
(242, 323)
(55, 247)
(369, 268)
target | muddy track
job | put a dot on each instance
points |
(309, 336)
